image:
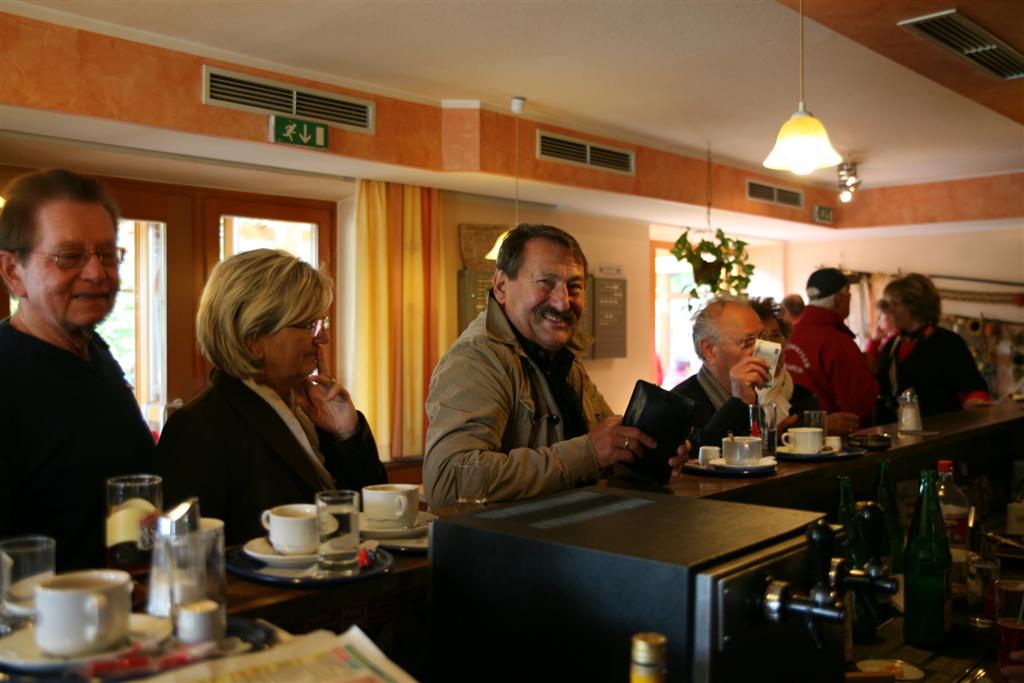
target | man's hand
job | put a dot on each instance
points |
(749, 374)
(787, 423)
(681, 456)
(614, 443)
(841, 423)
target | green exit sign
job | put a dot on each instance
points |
(298, 132)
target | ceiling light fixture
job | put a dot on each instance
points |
(802, 145)
(849, 181)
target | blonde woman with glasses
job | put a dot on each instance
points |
(270, 429)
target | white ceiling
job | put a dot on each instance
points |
(677, 75)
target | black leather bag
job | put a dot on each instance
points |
(664, 416)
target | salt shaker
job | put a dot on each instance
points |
(909, 412)
(178, 573)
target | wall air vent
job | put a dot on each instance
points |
(759, 192)
(955, 32)
(249, 93)
(569, 150)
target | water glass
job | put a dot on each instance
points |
(814, 418)
(982, 573)
(24, 562)
(338, 529)
(764, 423)
(470, 483)
(1009, 618)
(133, 504)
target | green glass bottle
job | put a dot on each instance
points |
(927, 563)
(892, 542)
(857, 555)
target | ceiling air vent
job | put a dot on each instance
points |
(759, 192)
(569, 150)
(249, 93)
(956, 32)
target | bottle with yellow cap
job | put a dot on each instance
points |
(650, 652)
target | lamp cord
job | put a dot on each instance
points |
(516, 210)
(707, 191)
(801, 55)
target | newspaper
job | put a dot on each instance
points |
(318, 656)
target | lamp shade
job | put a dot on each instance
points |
(802, 146)
(492, 255)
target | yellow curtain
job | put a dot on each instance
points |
(400, 299)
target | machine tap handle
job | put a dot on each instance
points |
(871, 518)
(820, 539)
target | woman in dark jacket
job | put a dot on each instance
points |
(265, 432)
(934, 361)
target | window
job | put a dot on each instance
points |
(673, 320)
(239, 234)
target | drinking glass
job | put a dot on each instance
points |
(1009, 618)
(24, 562)
(470, 483)
(814, 418)
(982, 573)
(765, 419)
(338, 527)
(134, 502)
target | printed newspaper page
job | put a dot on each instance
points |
(319, 656)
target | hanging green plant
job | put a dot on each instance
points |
(719, 267)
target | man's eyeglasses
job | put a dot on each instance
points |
(75, 259)
(317, 326)
(745, 343)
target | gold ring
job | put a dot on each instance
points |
(626, 446)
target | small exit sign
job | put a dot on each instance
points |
(291, 131)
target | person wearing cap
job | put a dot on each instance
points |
(822, 354)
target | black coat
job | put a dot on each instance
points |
(941, 370)
(230, 448)
(711, 426)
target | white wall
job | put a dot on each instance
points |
(605, 241)
(994, 254)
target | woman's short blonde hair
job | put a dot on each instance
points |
(251, 295)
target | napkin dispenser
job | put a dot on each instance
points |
(568, 579)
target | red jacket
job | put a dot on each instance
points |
(823, 357)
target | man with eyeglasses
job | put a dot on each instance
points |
(822, 354)
(68, 418)
(724, 334)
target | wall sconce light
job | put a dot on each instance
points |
(849, 181)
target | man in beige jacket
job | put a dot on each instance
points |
(512, 393)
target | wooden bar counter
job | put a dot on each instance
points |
(987, 439)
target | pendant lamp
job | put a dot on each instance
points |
(803, 145)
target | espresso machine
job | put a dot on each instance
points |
(554, 588)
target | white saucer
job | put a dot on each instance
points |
(909, 671)
(406, 544)
(418, 528)
(789, 450)
(19, 650)
(260, 549)
(722, 465)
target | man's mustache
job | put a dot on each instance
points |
(566, 316)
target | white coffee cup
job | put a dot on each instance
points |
(83, 612)
(292, 528)
(741, 450)
(804, 439)
(834, 442)
(391, 506)
(708, 453)
(200, 621)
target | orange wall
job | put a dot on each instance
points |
(52, 67)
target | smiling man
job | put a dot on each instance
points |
(68, 418)
(512, 392)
